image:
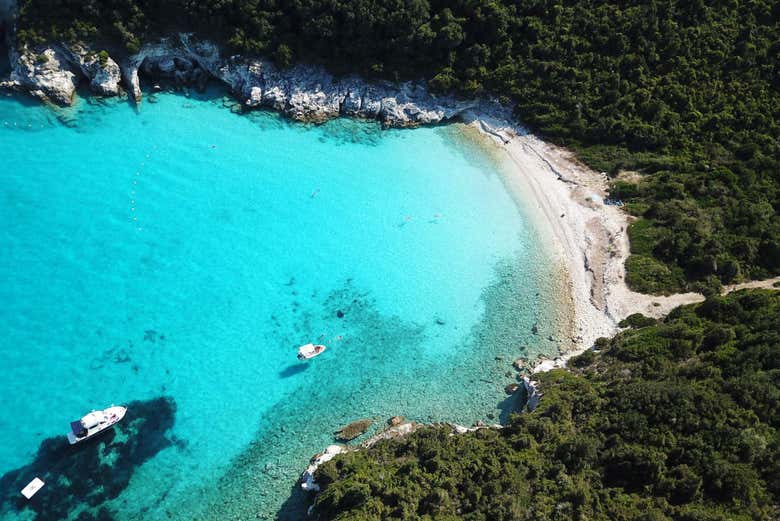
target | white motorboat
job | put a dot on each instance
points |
(310, 351)
(95, 423)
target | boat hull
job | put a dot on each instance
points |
(112, 416)
(310, 351)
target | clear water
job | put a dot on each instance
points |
(184, 251)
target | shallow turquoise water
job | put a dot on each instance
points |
(185, 251)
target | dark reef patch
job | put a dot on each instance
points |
(85, 476)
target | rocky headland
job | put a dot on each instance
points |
(302, 92)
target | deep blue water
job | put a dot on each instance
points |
(178, 254)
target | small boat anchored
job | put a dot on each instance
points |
(32, 487)
(310, 351)
(95, 423)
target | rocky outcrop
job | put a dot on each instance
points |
(99, 68)
(307, 478)
(47, 74)
(533, 394)
(52, 73)
(164, 59)
(303, 92)
(310, 93)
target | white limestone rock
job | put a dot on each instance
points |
(255, 97)
(303, 92)
(46, 74)
(533, 394)
(307, 478)
(104, 75)
(129, 72)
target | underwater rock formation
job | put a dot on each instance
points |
(82, 478)
(354, 429)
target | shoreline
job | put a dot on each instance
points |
(561, 195)
(588, 238)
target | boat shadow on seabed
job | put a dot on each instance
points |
(92, 472)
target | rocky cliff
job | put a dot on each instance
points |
(303, 92)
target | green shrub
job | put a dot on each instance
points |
(637, 320)
(646, 275)
(283, 56)
(583, 360)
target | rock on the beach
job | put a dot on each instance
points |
(519, 364)
(511, 388)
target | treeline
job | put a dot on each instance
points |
(684, 92)
(676, 420)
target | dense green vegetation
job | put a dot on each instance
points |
(677, 420)
(685, 92)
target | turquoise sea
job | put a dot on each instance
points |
(173, 257)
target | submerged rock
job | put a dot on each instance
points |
(91, 474)
(354, 429)
(511, 388)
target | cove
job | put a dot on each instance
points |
(183, 250)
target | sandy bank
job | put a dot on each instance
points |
(587, 237)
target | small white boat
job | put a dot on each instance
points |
(310, 351)
(95, 423)
(32, 487)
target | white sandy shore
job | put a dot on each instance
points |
(588, 238)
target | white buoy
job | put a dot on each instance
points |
(32, 487)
